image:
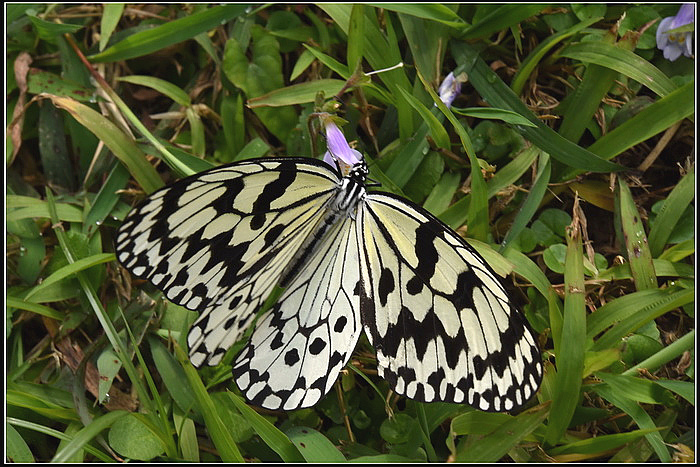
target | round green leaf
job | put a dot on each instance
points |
(396, 430)
(554, 257)
(131, 438)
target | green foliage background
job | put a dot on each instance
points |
(567, 160)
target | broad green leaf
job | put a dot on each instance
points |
(173, 376)
(129, 437)
(260, 74)
(108, 365)
(16, 449)
(44, 81)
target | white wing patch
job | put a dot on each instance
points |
(301, 344)
(441, 323)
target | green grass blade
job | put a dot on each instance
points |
(677, 201)
(99, 310)
(490, 86)
(165, 35)
(598, 444)
(106, 199)
(646, 306)
(635, 239)
(622, 61)
(120, 144)
(501, 18)
(220, 435)
(111, 14)
(512, 171)
(674, 350)
(70, 270)
(532, 202)
(570, 347)
(301, 93)
(533, 59)
(583, 103)
(650, 121)
(496, 444)
(643, 420)
(433, 12)
(314, 446)
(58, 435)
(20, 304)
(273, 437)
(162, 86)
(477, 220)
(86, 434)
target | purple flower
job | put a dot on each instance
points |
(449, 89)
(676, 44)
(338, 147)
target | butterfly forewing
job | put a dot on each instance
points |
(440, 321)
(218, 241)
(301, 344)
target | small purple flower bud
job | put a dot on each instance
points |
(338, 147)
(449, 89)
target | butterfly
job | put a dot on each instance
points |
(349, 259)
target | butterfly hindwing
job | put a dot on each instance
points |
(301, 344)
(440, 321)
(217, 242)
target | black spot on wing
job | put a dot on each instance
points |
(385, 286)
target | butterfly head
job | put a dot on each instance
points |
(358, 172)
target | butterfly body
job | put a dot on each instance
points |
(442, 324)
